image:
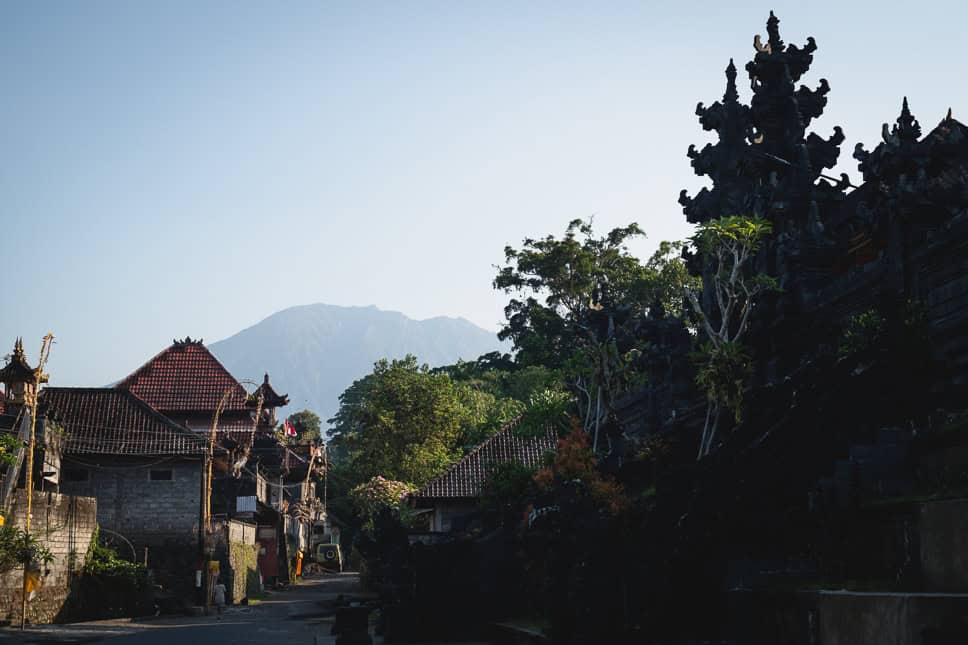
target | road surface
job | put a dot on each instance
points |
(291, 617)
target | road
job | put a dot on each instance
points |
(293, 616)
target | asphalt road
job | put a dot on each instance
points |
(293, 617)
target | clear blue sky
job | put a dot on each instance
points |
(188, 168)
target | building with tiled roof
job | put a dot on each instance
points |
(186, 383)
(184, 378)
(111, 421)
(454, 494)
(144, 469)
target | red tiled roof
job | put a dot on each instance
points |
(185, 377)
(467, 477)
(111, 421)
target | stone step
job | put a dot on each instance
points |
(851, 618)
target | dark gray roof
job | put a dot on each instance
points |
(466, 478)
(112, 421)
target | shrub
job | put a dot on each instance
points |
(17, 549)
(377, 494)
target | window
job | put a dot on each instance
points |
(160, 475)
(77, 475)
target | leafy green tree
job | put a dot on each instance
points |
(307, 426)
(667, 278)
(502, 377)
(729, 245)
(555, 283)
(574, 306)
(494, 390)
(483, 414)
(400, 422)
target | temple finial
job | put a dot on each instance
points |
(773, 29)
(907, 127)
(731, 94)
(948, 117)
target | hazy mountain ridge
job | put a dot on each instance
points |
(313, 352)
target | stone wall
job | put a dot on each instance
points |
(944, 545)
(147, 512)
(241, 532)
(852, 618)
(65, 525)
(244, 562)
(237, 551)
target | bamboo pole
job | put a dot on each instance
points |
(30, 400)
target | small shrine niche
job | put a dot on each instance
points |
(19, 378)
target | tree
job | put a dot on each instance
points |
(307, 426)
(667, 278)
(566, 274)
(400, 422)
(728, 244)
(575, 308)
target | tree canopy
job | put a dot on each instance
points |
(575, 304)
(307, 426)
(400, 422)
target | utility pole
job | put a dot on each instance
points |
(30, 401)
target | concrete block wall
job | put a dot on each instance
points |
(65, 525)
(148, 513)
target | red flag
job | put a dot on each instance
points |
(290, 429)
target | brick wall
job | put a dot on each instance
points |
(154, 513)
(64, 524)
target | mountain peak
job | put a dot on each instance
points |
(315, 351)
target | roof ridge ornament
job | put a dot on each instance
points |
(760, 47)
(906, 128)
(731, 95)
(186, 342)
(773, 29)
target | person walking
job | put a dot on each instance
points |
(219, 592)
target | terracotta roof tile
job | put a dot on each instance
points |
(185, 377)
(467, 477)
(111, 421)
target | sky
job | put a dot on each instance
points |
(188, 168)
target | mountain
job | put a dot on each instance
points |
(314, 352)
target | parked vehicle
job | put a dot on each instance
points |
(329, 557)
